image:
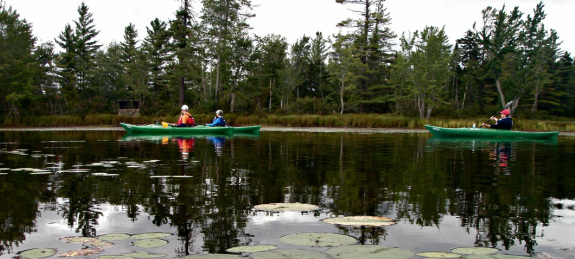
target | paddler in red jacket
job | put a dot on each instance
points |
(186, 119)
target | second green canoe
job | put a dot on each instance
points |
(489, 133)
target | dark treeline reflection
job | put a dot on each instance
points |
(499, 190)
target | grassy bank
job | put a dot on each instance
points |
(347, 120)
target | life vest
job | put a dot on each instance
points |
(186, 119)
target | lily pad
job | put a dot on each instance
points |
(286, 207)
(474, 250)
(318, 239)
(361, 221)
(250, 249)
(495, 256)
(151, 235)
(38, 253)
(369, 252)
(438, 255)
(87, 240)
(144, 255)
(114, 237)
(288, 254)
(213, 256)
(82, 252)
(150, 243)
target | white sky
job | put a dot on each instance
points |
(289, 18)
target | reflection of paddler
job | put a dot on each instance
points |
(218, 144)
(501, 154)
(186, 146)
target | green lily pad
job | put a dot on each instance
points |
(288, 254)
(82, 252)
(361, 221)
(438, 255)
(150, 243)
(114, 237)
(87, 240)
(474, 250)
(144, 255)
(317, 239)
(495, 256)
(213, 256)
(369, 252)
(151, 235)
(286, 207)
(38, 253)
(250, 249)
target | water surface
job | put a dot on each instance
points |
(516, 196)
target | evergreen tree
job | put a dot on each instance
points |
(272, 53)
(67, 65)
(344, 63)
(318, 59)
(540, 51)
(46, 79)
(468, 72)
(134, 64)
(182, 44)
(86, 46)
(424, 65)
(499, 40)
(372, 37)
(17, 64)
(156, 52)
(222, 19)
(77, 61)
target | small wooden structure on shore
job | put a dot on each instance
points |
(129, 107)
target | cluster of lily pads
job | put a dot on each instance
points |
(339, 246)
(81, 168)
(93, 245)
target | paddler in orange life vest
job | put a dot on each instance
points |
(186, 119)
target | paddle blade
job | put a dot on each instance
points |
(508, 105)
(165, 124)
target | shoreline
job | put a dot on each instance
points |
(263, 129)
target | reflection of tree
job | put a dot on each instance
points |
(365, 235)
(19, 198)
(375, 175)
(80, 208)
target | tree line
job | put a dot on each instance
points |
(210, 60)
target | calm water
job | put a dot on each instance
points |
(515, 196)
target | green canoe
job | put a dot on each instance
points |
(197, 130)
(489, 133)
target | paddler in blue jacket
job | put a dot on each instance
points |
(504, 123)
(218, 120)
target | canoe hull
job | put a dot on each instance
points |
(250, 130)
(489, 133)
(189, 131)
(160, 130)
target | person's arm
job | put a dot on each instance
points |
(215, 122)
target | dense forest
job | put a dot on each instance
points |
(209, 60)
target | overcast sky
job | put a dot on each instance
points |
(289, 18)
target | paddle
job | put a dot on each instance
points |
(506, 106)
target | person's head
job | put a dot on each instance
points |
(504, 113)
(219, 113)
(185, 108)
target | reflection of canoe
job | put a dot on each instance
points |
(439, 143)
(188, 131)
(489, 133)
(165, 137)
